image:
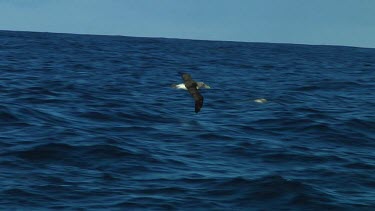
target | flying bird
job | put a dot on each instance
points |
(192, 87)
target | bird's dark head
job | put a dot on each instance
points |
(186, 77)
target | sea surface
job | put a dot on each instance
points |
(92, 123)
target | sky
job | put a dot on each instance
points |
(322, 22)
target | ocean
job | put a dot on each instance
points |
(91, 122)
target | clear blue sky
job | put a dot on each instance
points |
(335, 22)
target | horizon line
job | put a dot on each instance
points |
(191, 39)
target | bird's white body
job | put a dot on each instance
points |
(260, 100)
(181, 86)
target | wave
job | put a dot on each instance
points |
(67, 154)
(238, 192)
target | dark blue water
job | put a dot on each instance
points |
(91, 122)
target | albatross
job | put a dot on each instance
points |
(192, 87)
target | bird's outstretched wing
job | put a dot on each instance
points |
(198, 102)
(191, 86)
